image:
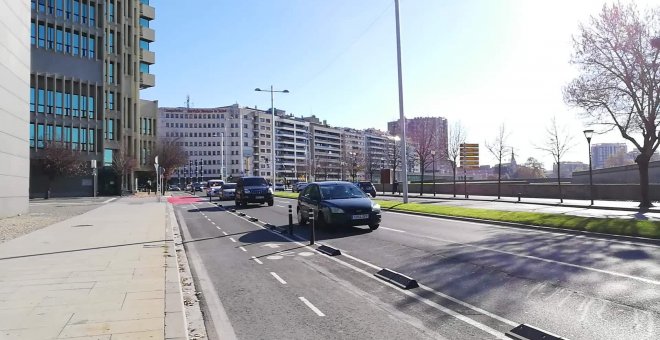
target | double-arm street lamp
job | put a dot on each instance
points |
(272, 120)
(588, 134)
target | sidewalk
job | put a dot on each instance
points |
(569, 203)
(107, 273)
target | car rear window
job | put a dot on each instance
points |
(253, 182)
(229, 186)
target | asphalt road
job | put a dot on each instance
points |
(477, 280)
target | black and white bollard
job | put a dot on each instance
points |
(290, 221)
(312, 222)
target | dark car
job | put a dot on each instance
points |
(299, 187)
(367, 187)
(337, 203)
(253, 189)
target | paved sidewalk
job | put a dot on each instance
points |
(106, 274)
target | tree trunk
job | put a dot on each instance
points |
(453, 169)
(561, 197)
(421, 187)
(643, 163)
(499, 179)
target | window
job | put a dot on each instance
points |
(144, 22)
(111, 72)
(58, 133)
(41, 98)
(76, 10)
(92, 14)
(58, 103)
(67, 134)
(51, 102)
(33, 33)
(76, 43)
(92, 42)
(75, 138)
(110, 129)
(67, 42)
(90, 107)
(32, 98)
(144, 67)
(67, 104)
(40, 136)
(51, 6)
(60, 40)
(111, 42)
(60, 8)
(92, 140)
(107, 157)
(84, 44)
(111, 101)
(83, 106)
(75, 102)
(42, 5)
(49, 132)
(68, 9)
(144, 44)
(111, 11)
(84, 13)
(42, 35)
(31, 135)
(83, 139)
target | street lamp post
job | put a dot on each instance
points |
(222, 154)
(382, 167)
(433, 160)
(402, 117)
(354, 164)
(588, 134)
(342, 169)
(272, 120)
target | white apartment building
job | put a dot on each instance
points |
(291, 147)
(326, 150)
(353, 154)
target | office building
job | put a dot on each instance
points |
(14, 107)
(325, 150)
(601, 152)
(89, 61)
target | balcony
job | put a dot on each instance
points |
(147, 34)
(147, 56)
(147, 12)
(147, 80)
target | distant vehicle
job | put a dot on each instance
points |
(367, 187)
(279, 186)
(199, 186)
(253, 189)
(337, 204)
(298, 187)
(228, 191)
(213, 189)
(174, 188)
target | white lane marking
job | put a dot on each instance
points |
(225, 233)
(392, 229)
(637, 278)
(311, 306)
(281, 206)
(278, 278)
(541, 230)
(109, 200)
(212, 222)
(241, 248)
(232, 239)
(257, 260)
(218, 227)
(450, 312)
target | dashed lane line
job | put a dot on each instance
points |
(257, 260)
(278, 278)
(311, 306)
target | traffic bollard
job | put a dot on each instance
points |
(290, 221)
(313, 223)
(519, 197)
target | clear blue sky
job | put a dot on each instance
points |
(482, 62)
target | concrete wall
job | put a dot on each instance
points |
(14, 106)
(628, 174)
(625, 192)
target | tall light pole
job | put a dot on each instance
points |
(402, 117)
(272, 120)
(588, 134)
(433, 160)
(222, 153)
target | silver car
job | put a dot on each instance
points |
(228, 191)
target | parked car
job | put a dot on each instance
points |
(253, 189)
(213, 189)
(298, 187)
(337, 204)
(367, 187)
(174, 188)
(279, 186)
(228, 191)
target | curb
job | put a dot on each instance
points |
(192, 316)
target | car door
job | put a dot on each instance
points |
(314, 199)
(305, 201)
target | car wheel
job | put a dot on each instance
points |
(301, 220)
(270, 203)
(374, 226)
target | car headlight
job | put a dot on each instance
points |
(270, 190)
(336, 210)
(375, 207)
(247, 191)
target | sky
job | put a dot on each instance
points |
(481, 62)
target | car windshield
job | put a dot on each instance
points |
(229, 186)
(340, 191)
(255, 182)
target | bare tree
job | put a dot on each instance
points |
(60, 160)
(558, 142)
(618, 159)
(457, 136)
(123, 164)
(424, 136)
(618, 54)
(170, 156)
(530, 170)
(497, 149)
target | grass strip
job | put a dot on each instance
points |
(615, 226)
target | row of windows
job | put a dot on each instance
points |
(146, 126)
(83, 12)
(63, 40)
(109, 129)
(209, 116)
(110, 73)
(109, 103)
(61, 103)
(78, 138)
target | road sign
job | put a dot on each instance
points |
(469, 155)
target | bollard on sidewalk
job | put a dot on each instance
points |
(290, 221)
(313, 223)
